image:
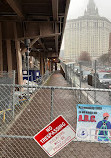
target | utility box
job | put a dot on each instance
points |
(90, 80)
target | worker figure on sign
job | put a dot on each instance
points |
(102, 129)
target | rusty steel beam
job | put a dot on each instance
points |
(55, 9)
(29, 30)
(52, 55)
(1, 49)
(40, 36)
(18, 56)
(56, 43)
(41, 29)
(56, 37)
(42, 45)
(47, 55)
(16, 7)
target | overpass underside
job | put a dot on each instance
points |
(40, 22)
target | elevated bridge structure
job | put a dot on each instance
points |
(41, 22)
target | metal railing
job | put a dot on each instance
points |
(77, 76)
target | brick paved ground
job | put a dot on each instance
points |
(36, 115)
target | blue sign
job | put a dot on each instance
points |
(33, 75)
(93, 123)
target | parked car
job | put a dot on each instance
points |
(109, 92)
(103, 79)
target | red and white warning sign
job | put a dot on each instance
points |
(55, 136)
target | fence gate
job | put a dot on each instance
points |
(22, 116)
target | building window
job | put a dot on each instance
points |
(87, 24)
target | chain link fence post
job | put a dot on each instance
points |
(73, 75)
(80, 79)
(13, 108)
(52, 97)
(95, 81)
(66, 72)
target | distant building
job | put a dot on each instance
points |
(62, 53)
(88, 33)
(110, 43)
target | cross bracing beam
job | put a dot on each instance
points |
(15, 5)
(30, 45)
(42, 45)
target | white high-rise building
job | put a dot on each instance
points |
(88, 33)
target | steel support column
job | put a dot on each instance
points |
(51, 66)
(19, 62)
(41, 65)
(9, 55)
(1, 53)
(19, 57)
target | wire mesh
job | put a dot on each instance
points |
(28, 116)
(7, 77)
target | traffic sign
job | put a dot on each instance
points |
(55, 136)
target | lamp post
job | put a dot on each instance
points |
(27, 43)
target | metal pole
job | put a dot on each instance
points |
(80, 78)
(28, 70)
(52, 93)
(73, 75)
(13, 94)
(70, 73)
(87, 98)
(95, 82)
(66, 72)
(27, 42)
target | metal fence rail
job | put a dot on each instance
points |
(29, 116)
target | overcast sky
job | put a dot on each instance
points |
(77, 8)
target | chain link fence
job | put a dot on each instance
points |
(6, 94)
(29, 116)
(7, 77)
(88, 75)
(83, 69)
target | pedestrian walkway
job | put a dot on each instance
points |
(36, 115)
